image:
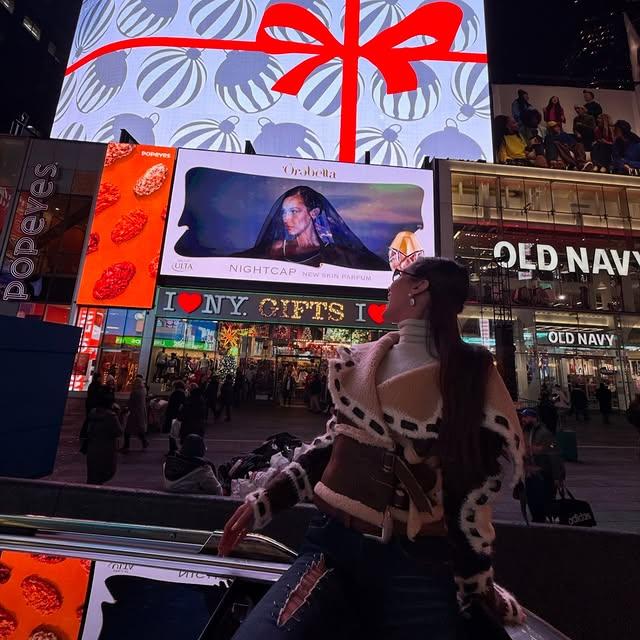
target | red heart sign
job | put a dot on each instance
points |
(376, 312)
(189, 302)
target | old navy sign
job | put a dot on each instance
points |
(274, 308)
(581, 339)
(544, 257)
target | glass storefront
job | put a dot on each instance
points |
(190, 349)
(561, 254)
(110, 344)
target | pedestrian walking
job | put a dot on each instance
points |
(315, 389)
(548, 412)
(633, 416)
(403, 480)
(103, 431)
(174, 406)
(193, 417)
(579, 403)
(604, 396)
(211, 395)
(226, 397)
(136, 424)
(94, 391)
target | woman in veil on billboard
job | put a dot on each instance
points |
(304, 227)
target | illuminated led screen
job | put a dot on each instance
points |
(268, 219)
(212, 74)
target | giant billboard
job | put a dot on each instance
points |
(400, 79)
(269, 219)
(123, 252)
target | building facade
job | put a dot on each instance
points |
(559, 253)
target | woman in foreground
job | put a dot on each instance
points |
(403, 479)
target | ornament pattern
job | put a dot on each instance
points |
(288, 139)
(382, 145)
(216, 98)
(318, 8)
(145, 17)
(470, 87)
(209, 134)
(102, 82)
(245, 79)
(222, 18)
(95, 18)
(321, 93)
(172, 77)
(470, 28)
(409, 105)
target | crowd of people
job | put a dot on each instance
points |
(590, 141)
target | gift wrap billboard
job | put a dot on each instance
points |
(315, 79)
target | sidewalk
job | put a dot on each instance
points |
(607, 475)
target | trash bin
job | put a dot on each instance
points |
(568, 443)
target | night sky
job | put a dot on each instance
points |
(560, 42)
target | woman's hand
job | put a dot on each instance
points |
(237, 527)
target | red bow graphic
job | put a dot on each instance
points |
(439, 21)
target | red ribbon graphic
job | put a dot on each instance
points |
(438, 21)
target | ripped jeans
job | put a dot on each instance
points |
(344, 585)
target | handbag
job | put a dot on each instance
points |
(571, 512)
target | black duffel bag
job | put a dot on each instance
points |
(571, 512)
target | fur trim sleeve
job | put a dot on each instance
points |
(497, 598)
(501, 418)
(295, 482)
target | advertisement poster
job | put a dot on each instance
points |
(268, 219)
(42, 596)
(130, 601)
(329, 80)
(121, 264)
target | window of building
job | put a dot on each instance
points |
(31, 27)
(9, 5)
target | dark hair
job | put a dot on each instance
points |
(500, 130)
(551, 102)
(464, 372)
(593, 95)
(521, 94)
(193, 446)
(312, 199)
(104, 399)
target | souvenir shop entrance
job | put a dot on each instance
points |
(193, 344)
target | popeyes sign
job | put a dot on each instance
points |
(30, 221)
(272, 308)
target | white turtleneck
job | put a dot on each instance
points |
(410, 352)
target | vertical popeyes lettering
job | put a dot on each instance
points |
(22, 257)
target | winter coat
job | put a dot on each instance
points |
(226, 394)
(137, 418)
(193, 417)
(176, 400)
(103, 432)
(182, 474)
(211, 393)
(604, 399)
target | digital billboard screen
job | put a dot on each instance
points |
(268, 219)
(121, 263)
(323, 80)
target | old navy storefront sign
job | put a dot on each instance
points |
(273, 308)
(544, 257)
(581, 339)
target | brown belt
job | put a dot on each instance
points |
(362, 526)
